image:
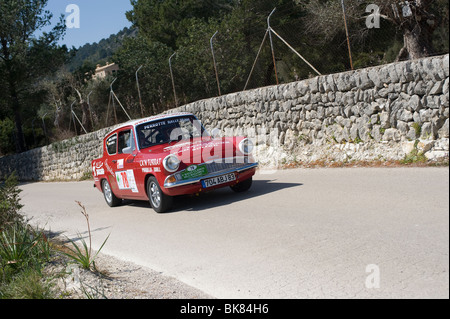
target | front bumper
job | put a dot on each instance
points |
(238, 169)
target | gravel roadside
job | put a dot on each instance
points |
(117, 279)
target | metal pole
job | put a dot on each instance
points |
(90, 110)
(290, 47)
(257, 56)
(271, 44)
(34, 133)
(114, 95)
(139, 91)
(173, 82)
(79, 122)
(45, 128)
(112, 98)
(214, 60)
(107, 110)
(346, 32)
(71, 111)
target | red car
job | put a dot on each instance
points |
(164, 156)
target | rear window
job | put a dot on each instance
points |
(111, 145)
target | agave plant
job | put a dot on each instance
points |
(20, 246)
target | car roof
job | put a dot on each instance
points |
(150, 119)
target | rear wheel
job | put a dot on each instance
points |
(243, 186)
(110, 198)
(159, 201)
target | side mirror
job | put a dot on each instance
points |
(128, 150)
(215, 133)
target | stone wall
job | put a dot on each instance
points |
(66, 160)
(378, 113)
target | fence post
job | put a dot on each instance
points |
(346, 32)
(271, 44)
(139, 91)
(173, 81)
(214, 60)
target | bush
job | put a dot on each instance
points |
(10, 203)
(6, 133)
(23, 250)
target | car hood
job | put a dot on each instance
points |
(200, 150)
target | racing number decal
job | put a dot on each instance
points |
(123, 181)
(126, 180)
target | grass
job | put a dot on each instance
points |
(28, 284)
(25, 252)
(415, 156)
(407, 162)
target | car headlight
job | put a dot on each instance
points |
(171, 163)
(246, 146)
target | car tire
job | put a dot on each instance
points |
(111, 199)
(160, 202)
(243, 186)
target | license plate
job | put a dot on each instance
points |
(211, 182)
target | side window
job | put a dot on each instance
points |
(125, 140)
(111, 145)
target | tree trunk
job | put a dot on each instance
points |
(87, 124)
(20, 138)
(417, 44)
(418, 32)
(15, 104)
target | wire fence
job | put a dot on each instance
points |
(265, 48)
(287, 50)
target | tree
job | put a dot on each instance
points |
(167, 21)
(24, 58)
(416, 20)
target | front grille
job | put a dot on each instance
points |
(226, 164)
(223, 164)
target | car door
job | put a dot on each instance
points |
(125, 164)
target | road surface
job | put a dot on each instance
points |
(301, 233)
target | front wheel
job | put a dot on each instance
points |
(110, 198)
(159, 201)
(243, 186)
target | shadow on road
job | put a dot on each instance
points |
(220, 197)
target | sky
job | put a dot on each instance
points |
(98, 19)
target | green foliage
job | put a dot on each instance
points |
(314, 28)
(21, 247)
(6, 134)
(24, 59)
(23, 250)
(92, 54)
(28, 285)
(418, 129)
(10, 203)
(167, 21)
(415, 156)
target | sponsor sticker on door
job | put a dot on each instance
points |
(126, 180)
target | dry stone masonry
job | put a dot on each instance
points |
(379, 113)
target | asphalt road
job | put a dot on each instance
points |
(303, 233)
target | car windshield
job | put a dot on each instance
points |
(169, 130)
